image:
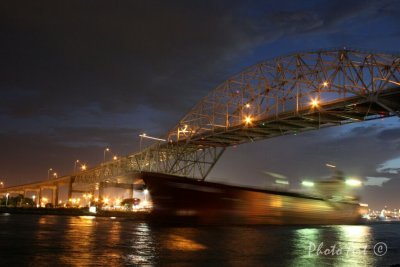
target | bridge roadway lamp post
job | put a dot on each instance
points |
(104, 153)
(7, 199)
(143, 135)
(76, 161)
(2, 184)
(48, 173)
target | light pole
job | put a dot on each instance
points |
(48, 173)
(76, 161)
(2, 184)
(7, 199)
(34, 199)
(143, 135)
(104, 154)
(55, 175)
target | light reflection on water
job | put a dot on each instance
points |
(342, 245)
(89, 241)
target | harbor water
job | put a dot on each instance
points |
(46, 240)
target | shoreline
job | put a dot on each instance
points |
(140, 215)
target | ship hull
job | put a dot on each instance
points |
(177, 199)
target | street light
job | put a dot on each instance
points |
(143, 135)
(314, 103)
(55, 175)
(104, 154)
(7, 199)
(2, 184)
(76, 161)
(48, 173)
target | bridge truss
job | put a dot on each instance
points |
(284, 95)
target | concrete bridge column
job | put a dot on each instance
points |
(40, 197)
(37, 197)
(54, 195)
(70, 182)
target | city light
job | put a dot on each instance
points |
(353, 182)
(247, 105)
(325, 84)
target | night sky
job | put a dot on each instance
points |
(79, 76)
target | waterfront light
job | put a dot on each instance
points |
(92, 209)
(307, 183)
(325, 84)
(353, 182)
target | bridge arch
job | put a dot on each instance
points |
(339, 85)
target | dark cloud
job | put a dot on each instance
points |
(390, 135)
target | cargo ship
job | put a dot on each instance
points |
(176, 199)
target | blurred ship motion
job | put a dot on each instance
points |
(178, 199)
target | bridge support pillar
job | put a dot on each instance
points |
(54, 195)
(70, 182)
(40, 197)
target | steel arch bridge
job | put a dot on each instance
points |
(285, 95)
